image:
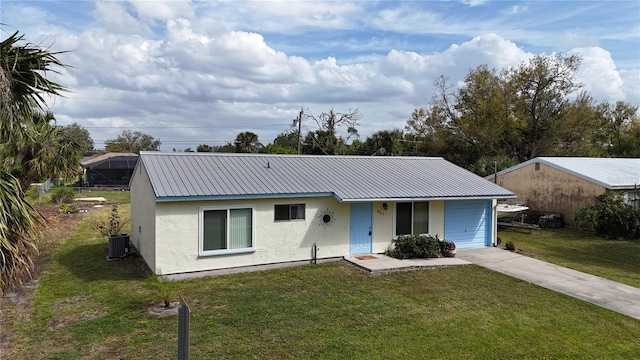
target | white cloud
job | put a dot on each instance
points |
(631, 80)
(163, 10)
(116, 19)
(599, 75)
(571, 40)
(412, 20)
(517, 9)
(473, 3)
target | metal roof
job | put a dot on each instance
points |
(611, 173)
(193, 176)
(95, 161)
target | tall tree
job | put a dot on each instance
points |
(23, 85)
(205, 148)
(226, 148)
(523, 112)
(247, 142)
(132, 142)
(80, 135)
(327, 140)
(285, 143)
(583, 121)
(322, 142)
(622, 130)
(330, 121)
(542, 88)
(385, 143)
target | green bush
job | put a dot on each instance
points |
(414, 247)
(68, 209)
(610, 218)
(586, 219)
(510, 246)
(113, 224)
(62, 196)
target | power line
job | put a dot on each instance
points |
(177, 127)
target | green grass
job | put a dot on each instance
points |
(112, 196)
(88, 308)
(611, 259)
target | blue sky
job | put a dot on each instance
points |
(200, 72)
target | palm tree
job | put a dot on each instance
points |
(17, 229)
(22, 81)
(23, 84)
(247, 142)
(40, 150)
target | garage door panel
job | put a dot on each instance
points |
(467, 223)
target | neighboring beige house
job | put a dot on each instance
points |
(566, 184)
(196, 212)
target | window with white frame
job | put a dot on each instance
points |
(227, 230)
(632, 198)
(411, 218)
(289, 212)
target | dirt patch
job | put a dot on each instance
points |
(62, 321)
(366, 257)
(160, 310)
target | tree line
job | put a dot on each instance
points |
(496, 117)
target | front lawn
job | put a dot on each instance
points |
(88, 308)
(612, 259)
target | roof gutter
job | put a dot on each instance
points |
(490, 197)
(239, 197)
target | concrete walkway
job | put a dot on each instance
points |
(609, 294)
(380, 263)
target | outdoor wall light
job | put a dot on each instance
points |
(385, 206)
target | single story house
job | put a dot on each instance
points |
(566, 184)
(194, 212)
(110, 169)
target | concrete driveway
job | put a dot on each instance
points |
(609, 294)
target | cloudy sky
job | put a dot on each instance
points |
(200, 72)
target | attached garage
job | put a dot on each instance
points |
(468, 223)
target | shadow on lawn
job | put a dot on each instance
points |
(89, 263)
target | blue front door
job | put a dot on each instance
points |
(360, 228)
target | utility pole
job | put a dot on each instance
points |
(495, 172)
(299, 120)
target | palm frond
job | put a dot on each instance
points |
(17, 233)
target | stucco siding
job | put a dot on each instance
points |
(177, 234)
(176, 246)
(549, 189)
(436, 218)
(382, 232)
(143, 230)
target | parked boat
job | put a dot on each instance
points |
(507, 210)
